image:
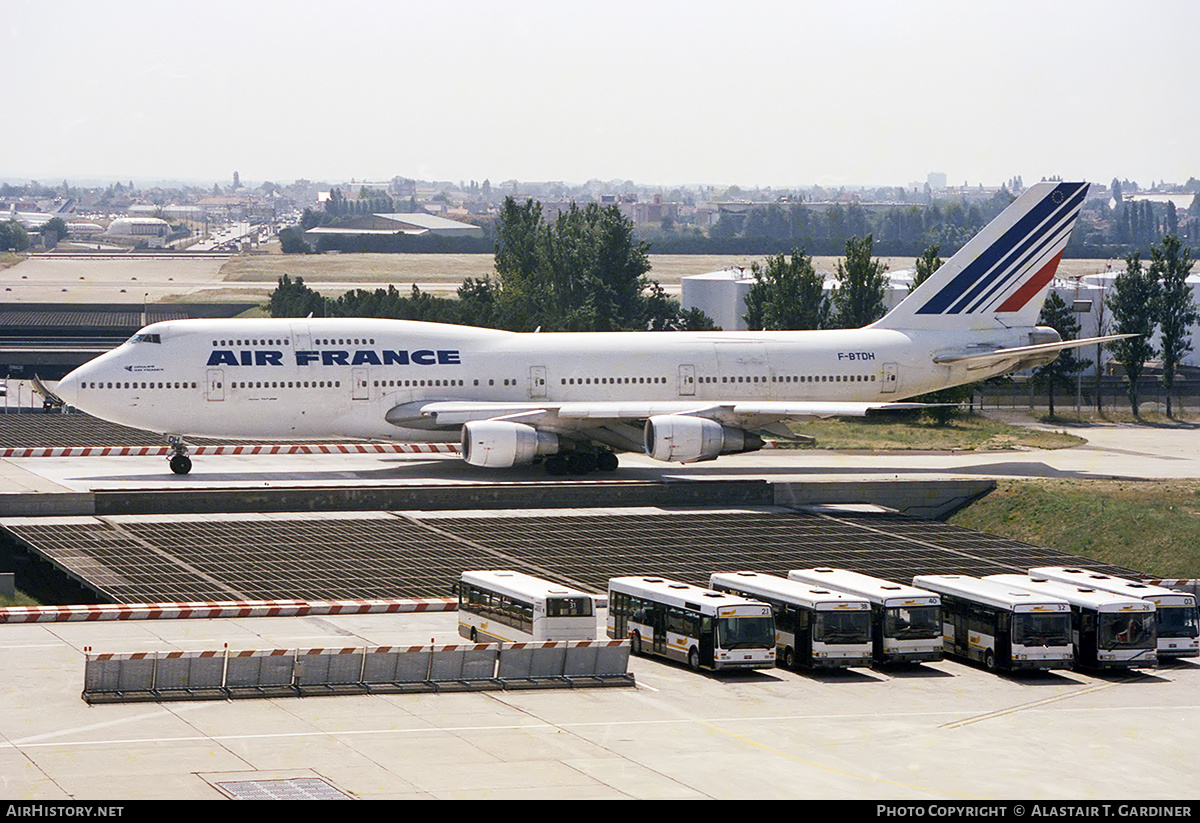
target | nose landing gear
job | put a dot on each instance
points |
(179, 460)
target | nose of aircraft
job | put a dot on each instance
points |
(68, 388)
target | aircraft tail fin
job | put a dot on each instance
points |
(1001, 276)
(67, 208)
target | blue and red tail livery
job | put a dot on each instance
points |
(1003, 272)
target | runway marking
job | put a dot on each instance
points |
(1035, 704)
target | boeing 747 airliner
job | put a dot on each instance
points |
(573, 400)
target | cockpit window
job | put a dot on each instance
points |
(145, 338)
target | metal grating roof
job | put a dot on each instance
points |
(256, 557)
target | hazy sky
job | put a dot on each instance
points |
(755, 93)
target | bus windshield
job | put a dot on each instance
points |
(745, 632)
(1177, 621)
(842, 627)
(1032, 629)
(913, 622)
(1127, 631)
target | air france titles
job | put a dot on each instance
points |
(338, 357)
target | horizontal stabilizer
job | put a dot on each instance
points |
(1038, 351)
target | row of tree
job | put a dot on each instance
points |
(1145, 299)
(1103, 230)
(789, 293)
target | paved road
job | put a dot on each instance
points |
(1112, 451)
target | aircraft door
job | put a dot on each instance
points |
(362, 389)
(687, 381)
(300, 337)
(891, 378)
(537, 382)
(746, 364)
(214, 388)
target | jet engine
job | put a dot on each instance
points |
(680, 439)
(499, 444)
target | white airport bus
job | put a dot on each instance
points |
(1001, 626)
(905, 621)
(702, 627)
(511, 607)
(1107, 630)
(814, 627)
(1178, 623)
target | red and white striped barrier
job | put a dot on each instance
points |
(163, 451)
(214, 609)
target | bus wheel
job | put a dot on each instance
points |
(789, 658)
(635, 643)
(474, 635)
(989, 661)
(694, 660)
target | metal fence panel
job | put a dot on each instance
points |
(258, 670)
(174, 675)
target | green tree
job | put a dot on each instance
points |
(1064, 369)
(694, 319)
(13, 236)
(1170, 264)
(53, 230)
(291, 241)
(1132, 301)
(787, 294)
(925, 265)
(585, 272)
(294, 299)
(858, 297)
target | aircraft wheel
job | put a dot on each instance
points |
(606, 462)
(579, 462)
(181, 464)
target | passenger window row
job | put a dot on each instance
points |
(137, 385)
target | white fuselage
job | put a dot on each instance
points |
(322, 378)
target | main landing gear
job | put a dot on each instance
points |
(179, 460)
(573, 462)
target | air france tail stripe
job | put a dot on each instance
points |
(1053, 236)
(998, 259)
(1044, 222)
(1046, 246)
(1017, 242)
(1031, 287)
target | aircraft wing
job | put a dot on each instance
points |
(1035, 355)
(580, 415)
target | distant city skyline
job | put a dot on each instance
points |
(779, 94)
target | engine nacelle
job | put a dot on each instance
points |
(677, 438)
(498, 444)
